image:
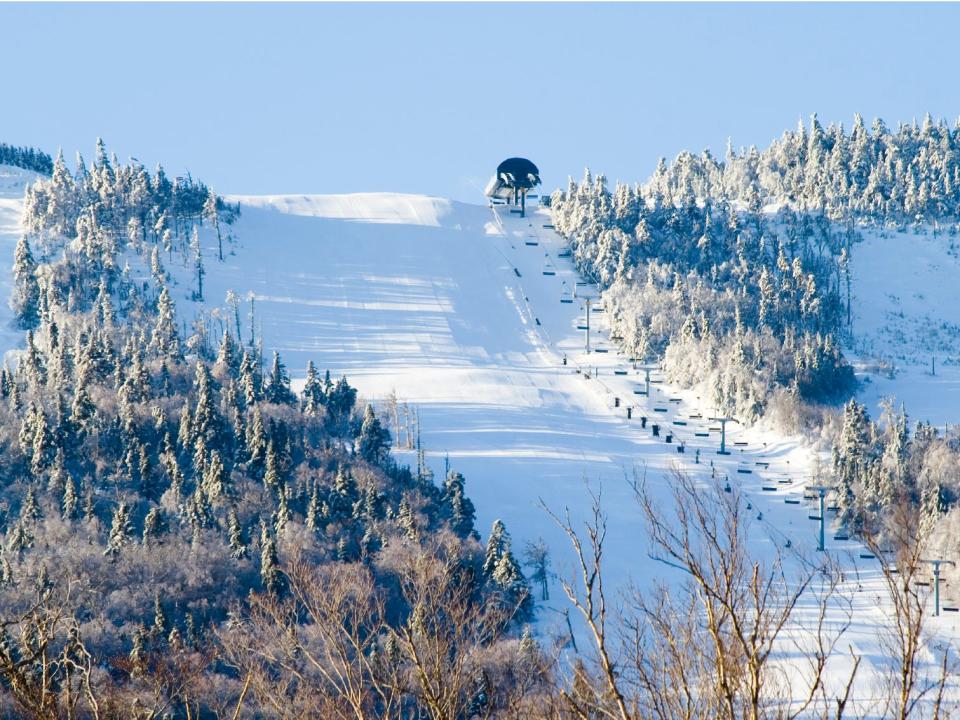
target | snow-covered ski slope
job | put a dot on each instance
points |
(458, 310)
(906, 322)
(448, 305)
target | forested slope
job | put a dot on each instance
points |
(186, 536)
(171, 508)
(735, 276)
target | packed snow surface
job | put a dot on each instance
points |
(906, 322)
(393, 208)
(457, 310)
(13, 183)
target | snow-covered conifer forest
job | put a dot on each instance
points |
(351, 456)
(736, 277)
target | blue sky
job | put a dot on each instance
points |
(429, 98)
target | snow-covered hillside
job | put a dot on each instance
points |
(906, 324)
(458, 311)
(419, 296)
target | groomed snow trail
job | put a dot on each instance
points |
(458, 310)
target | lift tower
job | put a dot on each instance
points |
(822, 491)
(723, 433)
(647, 369)
(586, 306)
(937, 562)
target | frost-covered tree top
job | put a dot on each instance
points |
(869, 173)
(27, 158)
(738, 300)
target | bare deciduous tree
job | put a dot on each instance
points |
(44, 663)
(339, 645)
(314, 652)
(709, 647)
(899, 541)
(448, 626)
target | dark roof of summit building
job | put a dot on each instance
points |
(518, 172)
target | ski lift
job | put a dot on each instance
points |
(565, 295)
(548, 268)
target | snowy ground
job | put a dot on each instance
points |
(452, 307)
(458, 311)
(906, 300)
(13, 182)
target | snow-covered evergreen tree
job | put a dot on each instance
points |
(166, 339)
(277, 388)
(237, 540)
(121, 529)
(462, 511)
(25, 298)
(270, 575)
(373, 442)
